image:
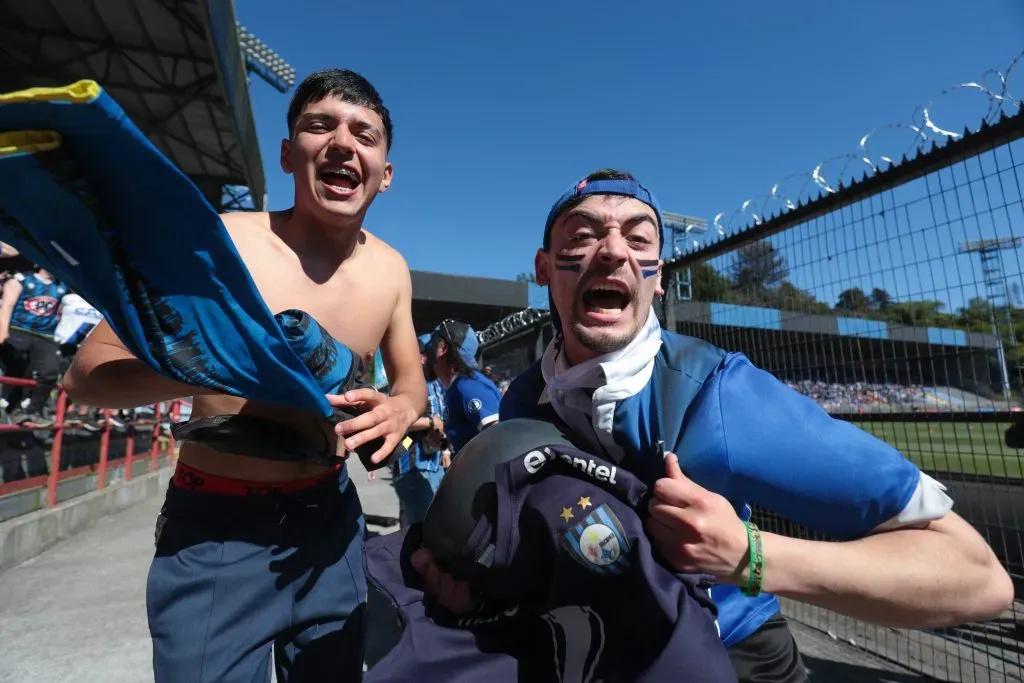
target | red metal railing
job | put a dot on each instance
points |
(55, 474)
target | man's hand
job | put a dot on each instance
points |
(455, 596)
(386, 416)
(696, 530)
(435, 437)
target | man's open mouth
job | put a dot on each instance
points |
(606, 298)
(338, 178)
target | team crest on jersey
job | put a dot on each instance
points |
(41, 305)
(474, 406)
(599, 543)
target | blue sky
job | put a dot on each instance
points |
(499, 106)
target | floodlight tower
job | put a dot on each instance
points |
(996, 292)
(682, 228)
(264, 62)
(271, 67)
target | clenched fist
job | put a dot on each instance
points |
(696, 530)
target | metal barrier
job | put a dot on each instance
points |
(103, 465)
(894, 300)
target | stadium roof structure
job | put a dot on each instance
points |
(477, 301)
(175, 66)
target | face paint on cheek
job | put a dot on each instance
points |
(648, 267)
(572, 264)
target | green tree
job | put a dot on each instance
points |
(789, 297)
(709, 285)
(880, 300)
(853, 301)
(977, 315)
(758, 266)
(920, 313)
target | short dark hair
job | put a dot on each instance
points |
(344, 84)
(599, 174)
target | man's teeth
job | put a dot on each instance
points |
(340, 173)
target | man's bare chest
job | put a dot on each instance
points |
(352, 309)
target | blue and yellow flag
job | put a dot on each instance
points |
(84, 194)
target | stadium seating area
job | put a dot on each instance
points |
(867, 397)
(863, 395)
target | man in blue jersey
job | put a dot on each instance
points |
(625, 386)
(418, 472)
(471, 400)
(28, 318)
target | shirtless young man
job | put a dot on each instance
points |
(252, 552)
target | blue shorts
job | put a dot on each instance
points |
(235, 577)
(415, 490)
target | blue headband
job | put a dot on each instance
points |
(625, 188)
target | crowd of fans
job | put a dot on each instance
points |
(42, 324)
(861, 395)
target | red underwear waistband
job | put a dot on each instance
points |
(191, 479)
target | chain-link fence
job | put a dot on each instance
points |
(890, 291)
(895, 302)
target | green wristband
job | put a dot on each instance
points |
(756, 565)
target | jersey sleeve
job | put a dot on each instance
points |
(480, 403)
(520, 398)
(783, 452)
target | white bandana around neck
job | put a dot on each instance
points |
(613, 377)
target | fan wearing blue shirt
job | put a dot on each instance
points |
(29, 313)
(418, 472)
(734, 436)
(471, 399)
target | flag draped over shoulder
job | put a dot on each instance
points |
(85, 195)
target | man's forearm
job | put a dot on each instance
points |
(414, 395)
(910, 578)
(6, 312)
(127, 383)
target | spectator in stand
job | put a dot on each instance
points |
(471, 400)
(29, 311)
(418, 473)
(77, 319)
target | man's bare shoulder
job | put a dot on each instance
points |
(385, 254)
(240, 222)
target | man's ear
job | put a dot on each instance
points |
(389, 175)
(286, 165)
(660, 287)
(540, 268)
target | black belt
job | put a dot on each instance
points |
(258, 437)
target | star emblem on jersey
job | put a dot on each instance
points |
(598, 542)
(566, 514)
(584, 502)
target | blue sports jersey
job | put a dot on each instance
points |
(471, 403)
(38, 305)
(573, 592)
(742, 433)
(414, 458)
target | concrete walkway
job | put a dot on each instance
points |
(77, 612)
